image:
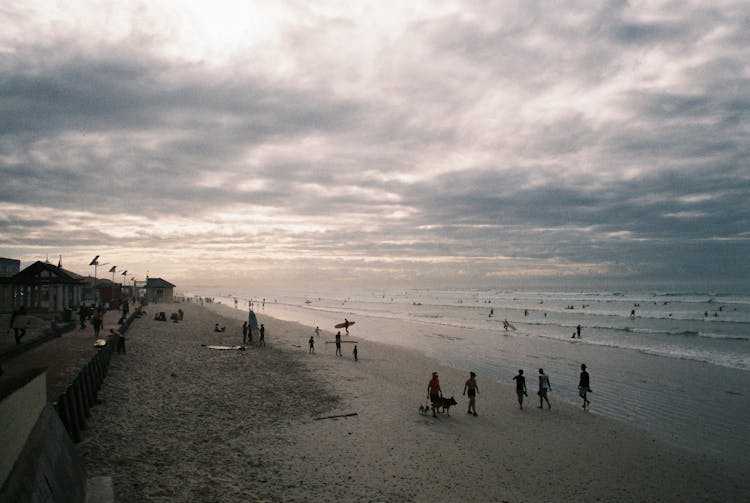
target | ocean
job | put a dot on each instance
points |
(675, 364)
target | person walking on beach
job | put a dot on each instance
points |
(578, 331)
(520, 387)
(434, 392)
(317, 330)
(472, 388)
(311, 342)
(583, 387)
(262, 339)
(338, 343)
(346, 326)
(544, 387)
(244, 333)
(355, 353)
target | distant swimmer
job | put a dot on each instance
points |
(492, 311)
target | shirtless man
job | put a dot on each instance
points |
(434, 392)
(520, 387)
(472, 388)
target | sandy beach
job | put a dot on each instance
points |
(181, 422)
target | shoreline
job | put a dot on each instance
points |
(664, 396)
(245, 425)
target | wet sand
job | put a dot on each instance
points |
(182, 422)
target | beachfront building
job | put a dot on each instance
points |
(41, 288)
(9, 267)
(159, 290)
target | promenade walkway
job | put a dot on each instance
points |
(62, 356)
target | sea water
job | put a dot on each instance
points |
(676, 364)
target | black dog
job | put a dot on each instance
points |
(445, 404)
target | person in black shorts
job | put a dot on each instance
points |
(583, 387)
(520, 387)
(471, 388)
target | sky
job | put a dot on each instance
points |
(418, 144)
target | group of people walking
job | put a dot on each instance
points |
(471, 389)
(545, 387)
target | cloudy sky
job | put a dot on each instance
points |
(435, 143)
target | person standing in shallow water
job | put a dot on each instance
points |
(583, 387)
(544, 387)
(520, 388)
(472, 388)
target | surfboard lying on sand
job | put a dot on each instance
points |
(235, 348)
(507, 325)
(100, 343)
(28, 322)
(344, 325)
(343, 342)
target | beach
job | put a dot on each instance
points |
(182, 422)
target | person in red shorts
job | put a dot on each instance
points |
(434, 392)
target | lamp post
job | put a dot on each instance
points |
(112, 295)
(95, 263)
(123, 278)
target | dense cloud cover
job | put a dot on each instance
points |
(436, 143)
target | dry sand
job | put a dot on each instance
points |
(182, 422)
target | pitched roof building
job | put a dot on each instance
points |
(159, 290)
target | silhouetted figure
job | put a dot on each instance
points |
(520, 387)
(583, 387)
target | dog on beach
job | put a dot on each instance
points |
(445, 404)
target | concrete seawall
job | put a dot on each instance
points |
(41, 463)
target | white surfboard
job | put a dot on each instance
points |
(225, 348)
